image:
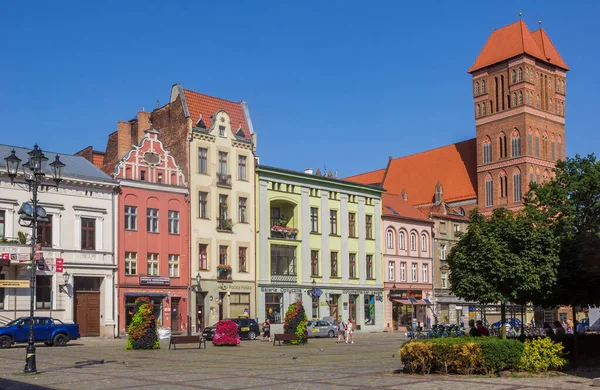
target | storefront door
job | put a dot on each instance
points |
(334, 306)
(352, 307)
(175, 315)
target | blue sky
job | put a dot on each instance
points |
(341, 84)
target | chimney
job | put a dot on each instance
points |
(124, 138)
(308, 171)
(142, 125)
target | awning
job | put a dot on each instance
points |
(402, 301)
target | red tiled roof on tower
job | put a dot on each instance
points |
(200, 104)
(371, 178)
(513, 40)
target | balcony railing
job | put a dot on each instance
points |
(284, 278)
(224, 274)
(284, 232)
(223, 180)
(224, 224)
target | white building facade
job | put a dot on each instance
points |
(80, 231)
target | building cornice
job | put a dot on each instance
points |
(516, 160)
(152, 186)
(519, 110)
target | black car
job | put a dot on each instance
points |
(247, 327)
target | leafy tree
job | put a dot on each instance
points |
(503, 258)
(569, 205)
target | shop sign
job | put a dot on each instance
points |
(358, 292)
(404, 294)
(154, 281)
(229, 286)
(280, 290)
(14, 283)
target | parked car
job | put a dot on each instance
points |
(320, 328)
(49, 330)
(513, 322)
(247, 327)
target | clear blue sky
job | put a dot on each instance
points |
(338, 83)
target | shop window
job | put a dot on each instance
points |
(273, 307)
(369, 309)
(43, 291)
(239, 305)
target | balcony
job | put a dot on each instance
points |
(284, 278)
(223, 180)
(284, 220)
(284, 233)
(224, 224)
(223, 272)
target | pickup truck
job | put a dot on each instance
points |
(46, 329)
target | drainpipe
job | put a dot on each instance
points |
(115, 290)
(433, 273)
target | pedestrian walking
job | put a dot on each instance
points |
(341, 328)
(349, 332)
(266, 328)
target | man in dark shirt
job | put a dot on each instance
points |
(473, 332)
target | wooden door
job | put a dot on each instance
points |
(87, 312)
(175, 315)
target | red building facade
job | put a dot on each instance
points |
(153, 234)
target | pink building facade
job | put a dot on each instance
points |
(153, 234)
(407, 264)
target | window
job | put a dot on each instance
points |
(314, 263)
(476, 88)
(514, 76)
(2, 294)
(529, 144)
(273, 307)
(143, 175)
(516, 144)
(483, 108)
(537, 176)
(489, 192)
(2, 225)
(202, 205)
(443, 252)
(44, 232)
(203, 256)
(202, 160)
(403, 272)
(174, 266)
(332, 221)
(369, 266)
(391, 270)
(487, 151)
(537, 102)
(537, 145)
(43, 292)
(334, 264)
(152, 220)
(242, 167)
(314, 220)
(130, 218)
(503, 187)
(173, 222)
(390, 239)
(520, 74)
(88, 234)
(352, 265)
(222, 163)
(221, 131)
(514, 99)
(425, 273)
(413, 242)
(559, 149)
(152, 264)
(443, 227)
(401, 240)
(283, 260)
(243, 264)
(456, 228)
(242, 210)
(222, 207)
(130, 263)
(520, 98)
(550, 83)
(223, 254)
(413, 268)
(552, 149)
(444, 280)
(550, 106)
(423, 242)
(369, 226)
(502, 141)
(275, 216)
(369, 309)
(526, 74)
(482, 86)
(478, 110)
(352, 224)
(517, 187)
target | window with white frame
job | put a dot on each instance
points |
(390, 239)
(130, 263)
(202, 160)
(173, 222)
(391, 270)
(241, 167)
(456, 228)
(152, 220)
(423, 242)
(444, 280)
(403, 272)
(152, 264)
(88, 233)
(242, 210)
(443, 252)
(414, 271)
(413, 242)
(130, 218)
(401, 240)
(425, 273)
(174, 266)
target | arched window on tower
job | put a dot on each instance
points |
(503, 185)
(516, 143)
(487, 150)
(530, 175)
(537, 104)
(537, 144)
(550, 83)
(550, 106)
(514, 76)
(559, 148)
(502, 142)
(514, 99)
(477, 88)
(526, 74)
(537, 78)
(489, 191)
(483, 109)
(520, 98)
(545, 145)
(520, 74)
(478, 110)
(557, 85)
(517, 194)
(482, 86)
(537, 176)
(552, 155)
(529, 143)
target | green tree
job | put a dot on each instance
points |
(569, 205)
(503, 258)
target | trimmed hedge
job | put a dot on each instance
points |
(479, 355)
(588, 345)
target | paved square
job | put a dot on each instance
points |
(321, 364)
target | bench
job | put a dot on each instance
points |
(285, 337)
(174, 340)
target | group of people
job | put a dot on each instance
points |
(477, 329)
(560, 329)
(345, 331)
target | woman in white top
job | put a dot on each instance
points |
(350, 332)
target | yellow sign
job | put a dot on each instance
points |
(14, 283)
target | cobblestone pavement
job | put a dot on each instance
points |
(321, 364)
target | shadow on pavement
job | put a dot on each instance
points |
(7, 384)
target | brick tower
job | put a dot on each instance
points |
(519, 91)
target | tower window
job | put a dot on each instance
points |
(537, 145)
(537, 104)
(520, 74)
(520, 98)
(514, 76)
(483, 108)
(529, 144)
(552, 149)
(517, 186)
(503, 186)
(550, 106)
(476, 88)
(514, 99)
(502, 141)
(478, 110)
(489, 191)
(526, 74)
(559, 149)
(482, 86)
(516, 143)
(537, 79)
(487, 151)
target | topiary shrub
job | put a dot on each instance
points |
(541, 355)
(295, 322)
(226, 333)
(142, 330)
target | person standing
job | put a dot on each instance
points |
(349, 332)
(266, 327)
(341, 328)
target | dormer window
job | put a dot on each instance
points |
(221, 131)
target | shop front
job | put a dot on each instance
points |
(404, 305)
(218, 300)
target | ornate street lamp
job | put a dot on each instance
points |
(33, 174)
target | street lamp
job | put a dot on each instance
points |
(33, 173)
(63, 287)
(195, 289)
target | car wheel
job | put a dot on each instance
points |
(251, 336)
(60, 340)
(48, 343)
(5, 341)
(331, 334)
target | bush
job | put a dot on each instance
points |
(295, 322)
(541, 355)
(588, 345)
(226, 333)
(500, 354)
(142, 333)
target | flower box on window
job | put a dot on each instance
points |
(284, 232)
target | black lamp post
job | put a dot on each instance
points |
(33, 173)
(195, 289)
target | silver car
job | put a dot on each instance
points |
(320, 328)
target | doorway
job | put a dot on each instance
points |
(352, 307)
(175, 315)
(87, 312)
(221, 299)
(334, 301)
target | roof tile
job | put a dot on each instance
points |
(371, 178)
(394, 205)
